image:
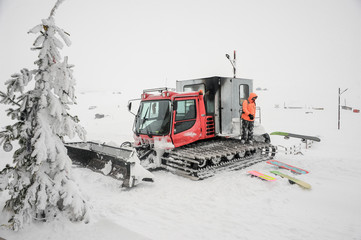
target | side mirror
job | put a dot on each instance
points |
(133, 104)
(175, 105)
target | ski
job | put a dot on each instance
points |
(292, 180)
(262, 176)
(287, 166)
(292, 135)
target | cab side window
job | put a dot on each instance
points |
(185, 116)
(186, 109)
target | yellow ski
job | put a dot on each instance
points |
(292, 180)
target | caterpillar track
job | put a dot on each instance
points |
(204, 159)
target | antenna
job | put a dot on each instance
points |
(233, 62)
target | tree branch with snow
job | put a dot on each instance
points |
(40, 184)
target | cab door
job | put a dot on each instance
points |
(186, 125)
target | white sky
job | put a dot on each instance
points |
(302, 50)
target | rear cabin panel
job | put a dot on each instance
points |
(223, 98)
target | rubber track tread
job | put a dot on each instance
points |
(230, 153)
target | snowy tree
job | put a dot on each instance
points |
(40, 184)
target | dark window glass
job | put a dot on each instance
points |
(153, 118)
(194, 88)
(243, 93)
(182, 126)
(186, 110)
(185, 115)
(208, 96)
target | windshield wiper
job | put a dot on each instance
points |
(148, 132)
(143, 121)
(144, 118)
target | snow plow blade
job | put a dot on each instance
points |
(119, 163)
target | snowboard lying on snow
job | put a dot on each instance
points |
(262, 176)
(302, 137)
(292, 180)
(287, 166)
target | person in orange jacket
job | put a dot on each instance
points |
(248, 116)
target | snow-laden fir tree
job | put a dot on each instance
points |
(40, 184)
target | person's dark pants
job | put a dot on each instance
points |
(247, 130)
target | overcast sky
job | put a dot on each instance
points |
(301, 49)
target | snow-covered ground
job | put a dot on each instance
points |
(229, 205)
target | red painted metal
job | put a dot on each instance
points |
(203, 127)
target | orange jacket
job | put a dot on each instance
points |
(249, 107)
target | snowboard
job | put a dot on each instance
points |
(286, 166)
(302, 137)
(292, 180)
(262, 176)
